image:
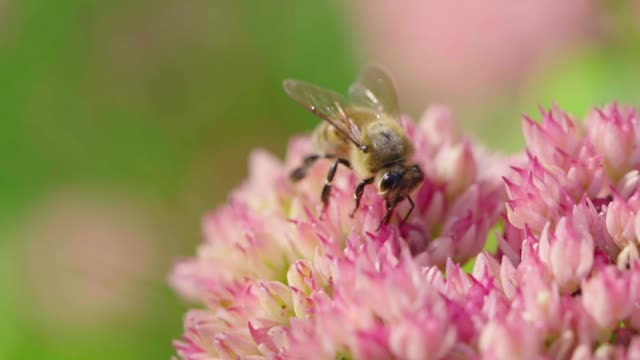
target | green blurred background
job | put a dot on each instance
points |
(122, 122)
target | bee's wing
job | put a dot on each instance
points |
(374, 90)
(326, 104)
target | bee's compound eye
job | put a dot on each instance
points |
(388, 181)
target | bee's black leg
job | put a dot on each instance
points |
(387, 216)
(326, 190)
(359, 192)
(413, 205)
(300, 172)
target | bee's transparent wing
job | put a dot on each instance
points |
(374, 89)
(326, 104)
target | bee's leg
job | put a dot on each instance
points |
(326, 190)
(300, 172)
(387, 216)
(359, 192)
(413, 205)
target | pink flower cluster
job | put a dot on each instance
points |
(276, 281)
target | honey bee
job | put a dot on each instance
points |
(362, 133)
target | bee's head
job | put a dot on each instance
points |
(398, 182)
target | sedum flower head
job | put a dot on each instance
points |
(274, 280)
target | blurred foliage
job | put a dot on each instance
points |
(159, 101)
(584, 78)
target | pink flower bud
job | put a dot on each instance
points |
(438, 125)
(633, 350)
(540, 303)
(629, 183)
(186, 279)
(585, 213)
(615, 133)
(303, 305)
(427, 334)
(557, 134)
(200, 328)
(276, 300)
(501, 339)
(608, 296)
(234, 344)
(621, 219)
(502, 274)
(455, 167)
(302, 277)
(535, 197)
(567, 253)
(628, 257)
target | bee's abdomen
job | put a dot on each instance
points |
(327, 140)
